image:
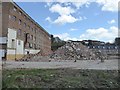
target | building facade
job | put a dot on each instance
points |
(21, 35)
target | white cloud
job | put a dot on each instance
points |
(48, 4)
(48, 19)
(62, 36)
(101, 34)
(61, 10)
(108, 5)
(65, 37)
(64, 14)
(111, 22)
(73, 29)
(80, 3)
(65, 19)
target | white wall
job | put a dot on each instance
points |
(12, 34)
(10, 51)
(20, 48)
(31, 51)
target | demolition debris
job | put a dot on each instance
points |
(70, 51)
(76, 51)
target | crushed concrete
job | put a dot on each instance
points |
(76, 51)
(70, 51)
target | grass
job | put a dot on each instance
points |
(60, 78)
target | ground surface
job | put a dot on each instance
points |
(60, 78)
(80, 64)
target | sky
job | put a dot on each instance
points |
(76, 19)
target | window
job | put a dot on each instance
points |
(98, 46)
(32, 29)
(20, 22)
(15, 9)
(28, 27)
(35, 30)
(103, 47)
(19, 32)
(34, 38)
(27, 44)
(28, 36)
(9, 16)
(24, 16)
(35, 46)
(19, 42)
(30, 45)
(24, 24)
(115, 47)
(20, 12)
(14, 18)
(31, 37)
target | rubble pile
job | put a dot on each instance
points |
(40, 56)
(70, 51)
(73, 51)
(100, 54)
(29, 57)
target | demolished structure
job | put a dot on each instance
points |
(76, 51)
(21, 35)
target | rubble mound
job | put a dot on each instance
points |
(73, 51)
(70, 51)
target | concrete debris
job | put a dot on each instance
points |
(76, 51)
(70, 51)
(35, 57)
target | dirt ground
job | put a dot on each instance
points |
(79, 64)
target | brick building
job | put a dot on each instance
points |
(20, 33)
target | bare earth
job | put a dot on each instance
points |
(81, 64)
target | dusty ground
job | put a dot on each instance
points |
(80, 64)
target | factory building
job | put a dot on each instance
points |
(20, 34)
